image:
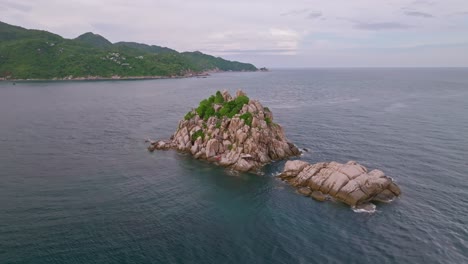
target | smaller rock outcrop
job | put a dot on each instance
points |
(235, 132)
(350, 183)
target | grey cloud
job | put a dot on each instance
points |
(422, 2)
(459, 14)
(253, 51)
(418, 14)
(381, 26)
(421, 47)
(106, 27)
(113, 30)
(440, 45)
(17, 6)
(295, 12)
(314, 15)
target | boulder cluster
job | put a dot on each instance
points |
(350, 183)
(234, 132)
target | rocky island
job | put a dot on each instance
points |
(350, 183)
(239, 133)
(235, 132)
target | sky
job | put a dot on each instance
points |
(271, 33)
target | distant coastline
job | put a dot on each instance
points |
(123, 78)
(115, 77)
(28, 54)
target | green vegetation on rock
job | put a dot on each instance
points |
(198, 134)
(189, 115)
(247, 117)
(36, 54)
(227, 108)
(218, 98)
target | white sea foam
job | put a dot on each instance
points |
(232, 172)
(389, 200)
(276, 173)
(366, 208)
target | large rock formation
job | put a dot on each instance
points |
(238, 133)
(350, 183)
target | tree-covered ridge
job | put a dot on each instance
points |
(36, 54)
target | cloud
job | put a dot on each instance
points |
(314, 15)
(381, 26)
(255, 51)
(422, 2)
(296, 12)
(16, 6)
(300, 12)
(418, 14)
(270, 41)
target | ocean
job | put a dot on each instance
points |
(77, 184)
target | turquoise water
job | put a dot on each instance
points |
(78, 186)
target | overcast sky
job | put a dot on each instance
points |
(272, 33)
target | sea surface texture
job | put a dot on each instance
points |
(77, 184)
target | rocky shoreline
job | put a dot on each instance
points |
(204, 74)
(99, 78)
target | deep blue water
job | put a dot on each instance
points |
(78, 186)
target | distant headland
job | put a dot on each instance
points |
(27, 54)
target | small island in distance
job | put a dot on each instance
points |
(27, 54)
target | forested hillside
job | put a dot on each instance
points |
(36, 54)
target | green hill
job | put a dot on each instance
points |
(94, 40)
(9, 33)
(36, 54)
